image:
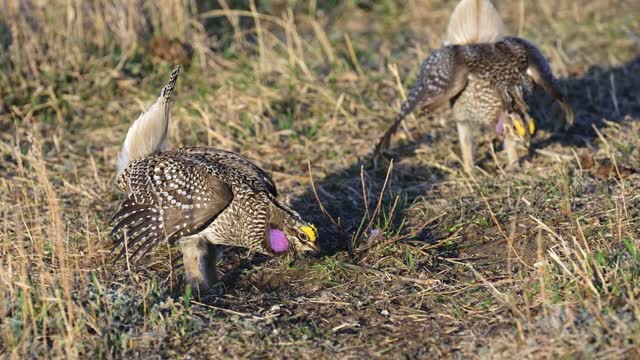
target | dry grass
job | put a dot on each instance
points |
(540, 264)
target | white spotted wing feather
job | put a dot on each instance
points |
(170, 196)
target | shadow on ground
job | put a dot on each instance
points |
(351, 195)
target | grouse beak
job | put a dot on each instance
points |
(311, 247)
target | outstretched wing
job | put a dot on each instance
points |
(443, 75)
(170, 196)
(538, 69)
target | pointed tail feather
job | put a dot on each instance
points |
(474, 21)
(148, 134)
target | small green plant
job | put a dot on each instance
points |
(410, 261)
(187, 297)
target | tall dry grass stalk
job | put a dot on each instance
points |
(53, 277)
(51, 255)
(60, 261)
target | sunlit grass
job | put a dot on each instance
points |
(542, 263)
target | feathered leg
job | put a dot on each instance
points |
(199, 257)
(465, 134)
(511, 147)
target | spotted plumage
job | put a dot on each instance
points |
(485, 82)
(200, 197)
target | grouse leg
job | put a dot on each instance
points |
(465, 134)
(199, 257)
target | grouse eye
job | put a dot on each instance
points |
(303, 236)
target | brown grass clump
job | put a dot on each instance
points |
(172, 51)
(420, 259)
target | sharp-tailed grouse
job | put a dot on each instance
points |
(485, 76)
(200, 196)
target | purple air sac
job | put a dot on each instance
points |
(278, 241)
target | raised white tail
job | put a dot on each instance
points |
(148, 134)
(474, 21)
